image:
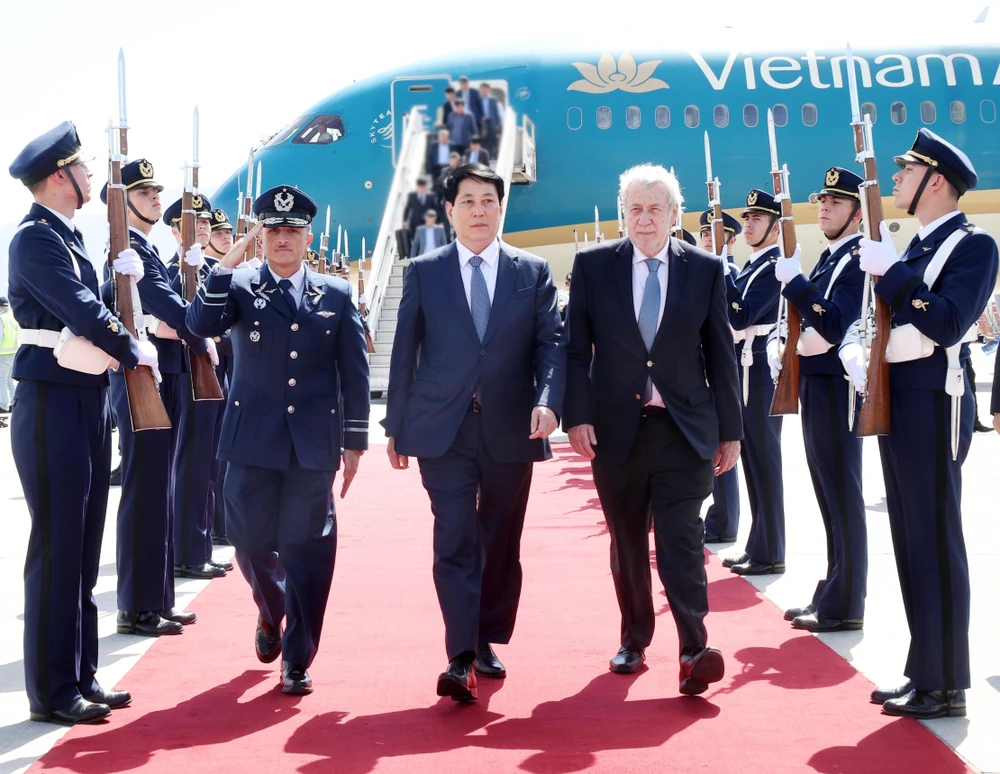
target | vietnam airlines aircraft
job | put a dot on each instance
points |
(579, 118)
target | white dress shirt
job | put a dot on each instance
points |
(926, 231)
(298, 281)
(66, 221)
(491, 260)
(640, 273)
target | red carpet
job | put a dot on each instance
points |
(203, 703)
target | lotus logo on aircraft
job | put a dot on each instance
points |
(625, 75)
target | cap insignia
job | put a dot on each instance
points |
(197, 202)
(220, 216)
(284, 200)
(146, 169)
(832, 177)
(751, 198)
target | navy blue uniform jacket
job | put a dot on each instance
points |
(289, 374)
(438, 362)
(692, 363)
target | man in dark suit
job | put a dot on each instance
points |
(491, 120)
(475, 388)
(417, 203)
(448, 106)
(429, 237)
(476, 154)
(454, 160)
(647, 328)
(463, 126)
(473, 102)
(438, 153)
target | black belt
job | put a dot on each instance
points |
(653, 411)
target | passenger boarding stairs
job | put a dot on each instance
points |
(515, 164)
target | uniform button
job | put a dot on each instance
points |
(291, 409)
(327, 333)
(649, 364)
(293, 354)
(256, 322)
(291, 382)
(333, 411)
(236, 403)
(482, 352)
(295, 326)
(638, 397)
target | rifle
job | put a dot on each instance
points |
(786, 387)
(361, 291)
(324, 243)
(714, 202)
(678, 228)
(244, 204)
(621, 228)
(598, 236)
(338, 257)
(874, 416)
(204, 381)
(145, 405)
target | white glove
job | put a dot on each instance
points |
(878, 257)
(724, 255)
(363, 298)
(853, 357)
(193, 256)
(129, 263)
(242, 266)
(255, 263)
(213, 353)
(773, 359)
(149, 357)
(787, 269)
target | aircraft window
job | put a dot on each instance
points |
(633, 117)
(662, 117)
(574, 118)
(692, 116)
(322, 130)
(868, 109)
(958, 111)
(603, 118)
(988, 111)
(288, 131)
(750, 115)
(897, 112)
(928, 112)
(809, 114)
(721, 116)
(780, 113)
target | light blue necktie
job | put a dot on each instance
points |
(480, 298)
(649, 309)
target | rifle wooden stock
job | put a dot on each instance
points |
(718, 227)
(204, 381)
(874, 416)
(145, 405)
(786, 389)
(369, 343)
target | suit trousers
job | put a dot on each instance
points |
(61, 440)
(761, 457)
(665, 480)
(145, 544)
(283, 524)
(833, 453)
(923, 491)
(478, 506)
(723, 517)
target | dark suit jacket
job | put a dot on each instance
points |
(413, 212)
(473, 103)
(431, 164)
(446, 110)
(438, 361)
(692, 364)
(462, 128)
(484, 157)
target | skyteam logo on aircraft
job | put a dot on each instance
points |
(623, 75)
(380, 131)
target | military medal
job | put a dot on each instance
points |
(254, 336)
(260, 302)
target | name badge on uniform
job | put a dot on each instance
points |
(260, 302)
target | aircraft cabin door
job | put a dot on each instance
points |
(425, 91)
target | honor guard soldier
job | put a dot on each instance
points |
(299, 351)
(61, 430)
(936, 290)
(829, 301)
(220, 242)
(723, 518)
(145, 520)
(753, 311)
(196, 449)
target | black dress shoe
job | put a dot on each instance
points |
(925, 705)
(224, 566)
(198, 571)
(882, 695)
(295, 680)
(267, 641)
(794, 612)
(146, 624)
(981, 428)
(627, 661)
(817, 622)
(487, 664)
(220, 540)
(178, 617)
(80, 711)
(698, 670)
(116, 476)
(114, 699)
(710, 538)
(459, 680)
(733, 560)
(758, 568)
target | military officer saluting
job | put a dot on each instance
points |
(723, 518)
(829, 301)
(145, 522)
(936, 290)
(61, 430)
(753, 311)
(299, 352)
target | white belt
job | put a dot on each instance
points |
(40, 338)
(811, 344)
(159, 328)
(756, 330)
(72, 352)
(906, 343)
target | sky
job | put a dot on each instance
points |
(252, 66)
